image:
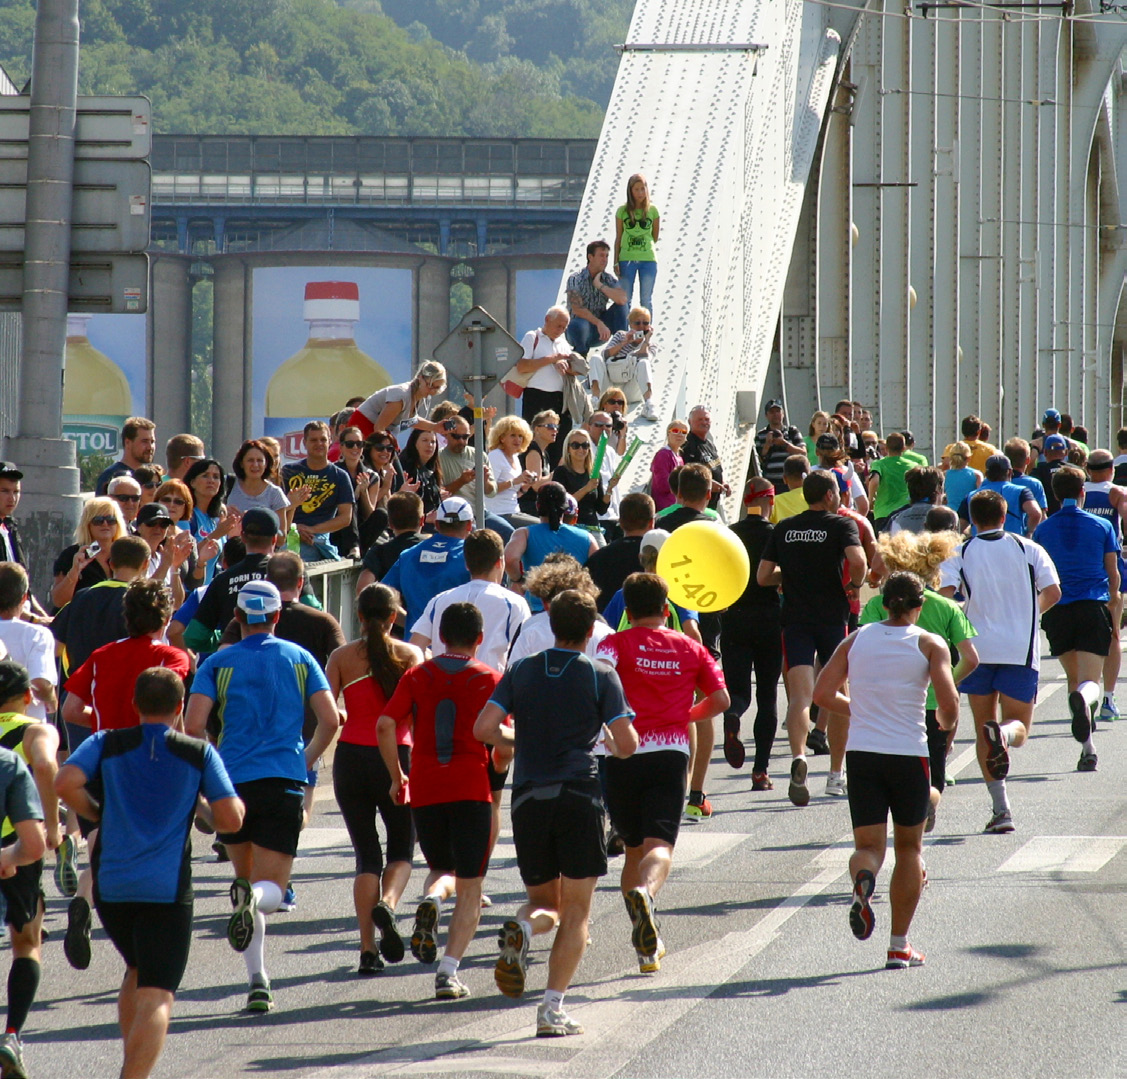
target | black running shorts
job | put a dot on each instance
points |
(454, 836)
(23, 895)
(646, 795)
(803, 642)
(1083, 626)
(153, 939)
(273, 814)
(883, 783)
(560, 831)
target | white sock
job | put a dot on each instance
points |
(832, 776)
(436, 899)
(997, 789)
(799, 757)
(267, 895)
(448, 965)
(1007, 728)
(1088, 746)
(255, 955)
(897, 944)
(526, 929)
(554, 1000)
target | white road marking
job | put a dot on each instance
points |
(1064, 854)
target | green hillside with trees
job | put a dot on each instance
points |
(505, 68)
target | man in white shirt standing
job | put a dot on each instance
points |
(1009, 582)
(547, 358)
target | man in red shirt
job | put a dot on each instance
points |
(661, 670)
(451, 803)
(100, 695)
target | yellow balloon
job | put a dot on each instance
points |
(705, 566)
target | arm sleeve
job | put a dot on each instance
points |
(81, 682)
(607, 650)
(41, 658)
(87, 758)
(425, 624)
(502, 694)
(204, 681)
(207, 613)
(21, 797)
(528, 344)
(344, 492)
(612, 699)
(215, 783)
(60, 623)
(1045, 573)
(402, 701)
(709, 676)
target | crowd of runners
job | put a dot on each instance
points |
(181, 675)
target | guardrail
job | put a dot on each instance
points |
(334, 584)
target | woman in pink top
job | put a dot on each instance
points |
(367, 671)
(665, 461)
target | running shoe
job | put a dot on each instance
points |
(512, 964)
(391, 943)
(651, 964)
(370, 965)
(449, 987)
(835, 785)
(76, 944)
(798, 792)
(1108, 712)
(644, 936)
(1087, 762)
(11, 1056)
(649, 412)
(260, 999)
(761, 781)
(220, 849)
(1081, 716)
(289, 900)
(861, 918)
(66, 866)
(929, 823)
(616, 846)
(817, 742)
(555, 1024)
(240, 926)
(900, 959)
(734, 752)
(423, 945)
(699, 812)
(997, 752)
(1000, 823)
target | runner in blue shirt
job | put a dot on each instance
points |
(421, 572)
(148, 779)
(1085, 551)
(261, 685)
(1023, 514)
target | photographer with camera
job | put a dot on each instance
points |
(775, 443)
(625, 363)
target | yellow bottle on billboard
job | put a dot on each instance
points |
(96, 395)
(316, 381)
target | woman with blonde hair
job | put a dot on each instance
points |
(545, 429)
(637, 224)
(922, 553)
(574, 473)
(397, 409)
(665, 461)
(960, 480)
(510, 437)
(87, 560)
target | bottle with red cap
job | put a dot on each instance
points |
(316, 381)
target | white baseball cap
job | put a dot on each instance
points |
(452, 510)
(258, 600)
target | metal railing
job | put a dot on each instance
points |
(334, 585)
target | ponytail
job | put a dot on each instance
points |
(376, 604)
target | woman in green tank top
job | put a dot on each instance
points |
(636, 227)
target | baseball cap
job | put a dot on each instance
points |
(259, 599)
(773, 403)
(153, 513)
(1055, 442)
(260, 521)
(998, 464)
(452, 510)
(655, 538)
(14, 679)
(1051, 416)
(828, 442)
(572, 507)
(8, 471)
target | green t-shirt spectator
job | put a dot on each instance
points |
(892, 492)
(637, 237)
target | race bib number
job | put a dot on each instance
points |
(432, 557)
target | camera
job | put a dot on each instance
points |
(449, 425)
(616, 421)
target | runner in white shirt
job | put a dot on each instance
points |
(30, 645)
(502, 612)
(888, 666)
(557, 573)
(1008, 582)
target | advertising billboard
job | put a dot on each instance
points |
(536, 290)
(323, 334)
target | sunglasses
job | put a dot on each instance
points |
(352, 443)
(103, 519)
(383, 447)
(169, 501)
(678, 430)
(639, 324)
(621, 401)
(549, 426)
(127, 498)
(459, 438)
(579, 445)
(151, 486)
(600, 424)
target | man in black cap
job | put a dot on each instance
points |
(260, 529)
(10, 549)
(775, 443)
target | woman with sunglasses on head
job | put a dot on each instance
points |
(665, 461)
(211, 519)
(574, 473)
(545, 428)
(421, 471)
(637, 225)
(87, 560)
(509, 439)
(365, 487)
(625, 363)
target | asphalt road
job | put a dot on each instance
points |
(1025, 934)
